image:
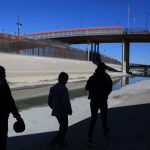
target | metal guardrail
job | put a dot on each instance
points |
(86, 32)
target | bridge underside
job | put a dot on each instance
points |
(105, 38)
(96, 35)
(125, 39)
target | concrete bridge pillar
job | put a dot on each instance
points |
(125, 56)
(145, 70)
(124, 81)
(91, 52)
(94, 52)
(97, 55)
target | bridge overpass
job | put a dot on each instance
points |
(140, 66)
(97, 35)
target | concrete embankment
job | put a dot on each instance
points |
(30, 70)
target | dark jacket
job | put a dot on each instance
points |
(59, 101)
(99, 86)
(7, 103)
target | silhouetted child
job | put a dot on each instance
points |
(7, 106)
(59, 102)
(99, 86)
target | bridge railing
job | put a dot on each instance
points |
(76, 33)
(135, 30)
(86, 32)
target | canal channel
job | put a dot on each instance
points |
(77, 92)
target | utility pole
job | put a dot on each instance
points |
(19, 25)
(128, 16)
(81, 21)
(134, 21)
(118, 23)
(146, 23)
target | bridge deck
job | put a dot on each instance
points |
(95, 35)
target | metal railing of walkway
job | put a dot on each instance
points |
(114, 30)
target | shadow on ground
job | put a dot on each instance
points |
(130, 130)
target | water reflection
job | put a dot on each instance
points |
(127, 80)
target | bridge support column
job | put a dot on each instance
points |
(95, 49)
(91, 52)
(145, 71)
(94, 53)
(124, 81)
(97, 55)
(88, 53)
(125, 56)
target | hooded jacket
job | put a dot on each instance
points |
(99, 86)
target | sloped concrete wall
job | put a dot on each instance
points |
(21, 68)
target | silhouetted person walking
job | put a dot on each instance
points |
(7, 106)
(99, 86)
(59, 102)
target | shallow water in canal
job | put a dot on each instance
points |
(42, 100)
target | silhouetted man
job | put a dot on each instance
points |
(99, 86)
(7, 106)
(59, 102)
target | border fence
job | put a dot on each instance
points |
(25, 46)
